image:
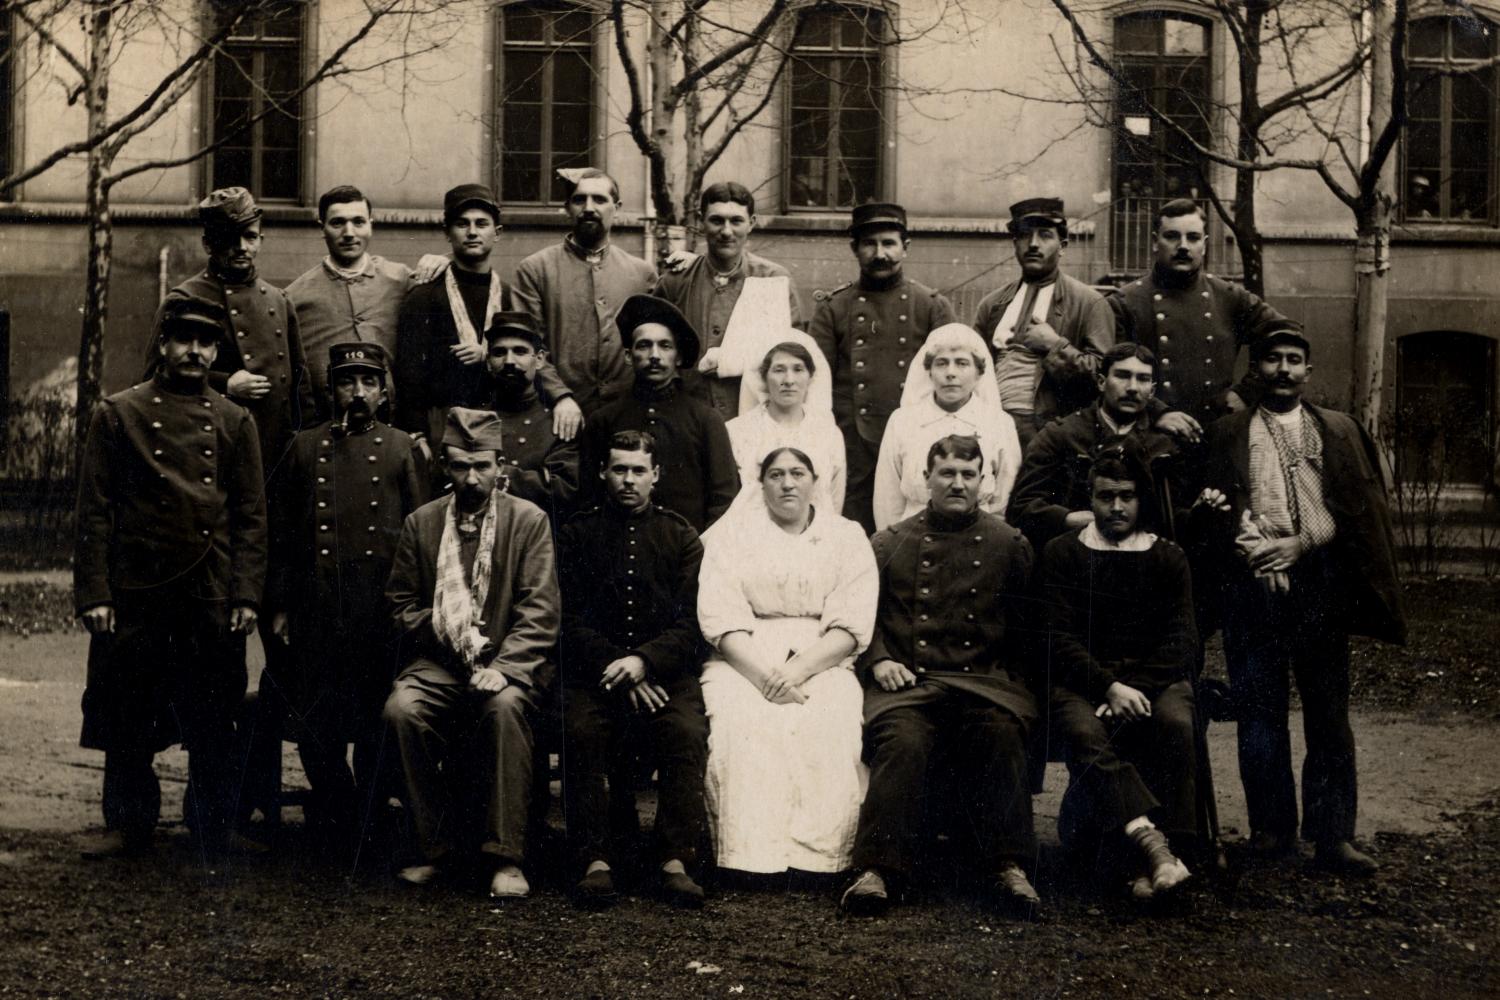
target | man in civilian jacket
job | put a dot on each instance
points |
(168, 572)
(474, 594)
(630, 655)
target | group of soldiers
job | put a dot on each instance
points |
(276, 470)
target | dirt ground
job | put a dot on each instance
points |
(296, 925)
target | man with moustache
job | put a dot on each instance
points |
(869, 331)
(1122, 650)
(631, 653)
(168, 573)
(1306, 559)
(352, 294)
(348, 485)
(699, 478)
(1047, 330)
(942, 675)
(538, 465)
(728, 294)
(574, 289)
(474, 593)
(1195, 322)
(1052, 492)
(441, 329)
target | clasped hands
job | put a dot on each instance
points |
(782, 684)
(628, 674)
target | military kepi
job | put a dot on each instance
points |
(228, 209)
(1037, 213)
(641, 309)
(183, 312)
(877, 215)
(356, 354)
(514, 324)
(1279, 331)
(473, 430)
(466, 195)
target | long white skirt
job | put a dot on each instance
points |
(784, 782)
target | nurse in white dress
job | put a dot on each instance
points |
(787, 596)
(948, 391)
(786, 401)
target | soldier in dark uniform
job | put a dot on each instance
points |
(347, 486)
(943, 669)
(170, 565)
(1195, 322)
(699, 475)
(630, 651)
(539, 466)
(869, 331)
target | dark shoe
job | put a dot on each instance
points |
(1269, 845)
(679, 889)
(596, 890)
(1345, 859)
(115, 844)
(867, 896)
(1015, 896)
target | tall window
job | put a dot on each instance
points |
(834, 116)
(1164, 59)
(1449, 162)
(255, 101)
(546, 106)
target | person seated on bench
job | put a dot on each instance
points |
(1123, 645)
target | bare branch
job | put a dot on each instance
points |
(761, 30)
(41, 31)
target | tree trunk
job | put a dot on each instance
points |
(1246, 232)
(663, 114)
(101, 237)
(692, 133)
(1372, 259)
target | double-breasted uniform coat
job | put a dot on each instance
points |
(542, 467)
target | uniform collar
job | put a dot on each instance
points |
(882, 285)
(939, 520)
(648, 393)
(518, 404)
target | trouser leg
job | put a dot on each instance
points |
(1330, 791)
(859, 490)
(1164, 750)
(1256, 655)
(423, 701)
(132, 794)
(1104, 791)
(211, 689)
(678, 737)
(505, 734)
(898, 744)
(998, 800)
(588, 738)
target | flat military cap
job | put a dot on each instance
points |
(1278, 331)
(467, 196)
(639, 310)
(1032, 213)
(877, 214)
(182, 311)
(514, 324)
(356, 354)
(231, 208)
(473, 430)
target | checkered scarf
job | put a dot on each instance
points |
(457, 605)
(1288, 494)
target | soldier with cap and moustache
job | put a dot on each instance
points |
(538, 465)
(869, 331)
(168, 575)
(442, 328)
(474, 594)
(699, 477)
(1046, 330)
(340, 502)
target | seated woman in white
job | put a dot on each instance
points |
(787, 596)
(949, 392)
(786, 402)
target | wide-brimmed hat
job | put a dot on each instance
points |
(639, 310)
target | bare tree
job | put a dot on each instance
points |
(186, 49)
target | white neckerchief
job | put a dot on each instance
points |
(1136, 541)
(466, 332)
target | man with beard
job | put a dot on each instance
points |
(1047, 330)
(348, 485)
(942, 676)
(474, 594)
(575, 288)
(1305, 561)
(443, 324)
(538, 465)
(1052, 493)
(352, 294)
(1119, 672)
(699, 478)
(1195, 322)
(170, 563)
(869, 331)
(729, 294)
(630, 651)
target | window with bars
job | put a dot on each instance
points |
(256, 103)
(546, 109)
(1448, 161)
(835, 121)
(1165, 61)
